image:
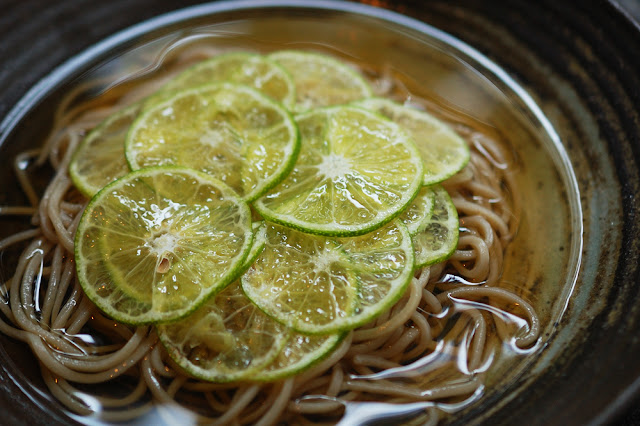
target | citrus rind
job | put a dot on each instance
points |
(439, 239)
(99, 159)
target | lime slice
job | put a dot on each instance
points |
(321, 285)
(141, 293)
(245, 68)
(299, 353)
(418, 215)
(173, 236)
(230, 131)
(99, 158)
(321, 80)
(356, 171)
(444, 152)
(302, 280)
(439, 239)
(227, 339)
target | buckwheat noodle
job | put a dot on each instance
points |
(433, 347)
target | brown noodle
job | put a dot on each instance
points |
(435, 345)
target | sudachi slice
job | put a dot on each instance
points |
(304, 281)
(227, 339)
(444, 152)
(299, 353)
(246, 68)
(355, 172)
(229, 131)
(99, 159)
(321, 80)
(321, 285)
(155, 244)
(417, 216)
(439, 239)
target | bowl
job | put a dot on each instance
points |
(549, 79)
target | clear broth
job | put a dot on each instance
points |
(435, 71)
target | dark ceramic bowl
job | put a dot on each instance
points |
(561, 82)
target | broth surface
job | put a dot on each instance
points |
(540, 262)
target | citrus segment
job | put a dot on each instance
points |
(321, 80)
(245, 68)
(439, 239)
(169, 236)
(417, 216)
(444, 152)
(99, 159)
(227, 339)
(227, 130)
(355, 172)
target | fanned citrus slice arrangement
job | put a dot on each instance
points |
(256, 209)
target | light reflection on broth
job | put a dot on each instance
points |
(454, 346)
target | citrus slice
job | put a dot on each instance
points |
(141, 293)
(321, 285)
(170, 235)
(321, 80)
(229, 131)
(298, 354)
(227, 339)
(439, 239)
(99, 158)
(304, 281)
(444, 152)
(246, 68)
(384, 262)
(355, 172)
(418, 215)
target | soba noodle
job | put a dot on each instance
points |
(433, 347)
